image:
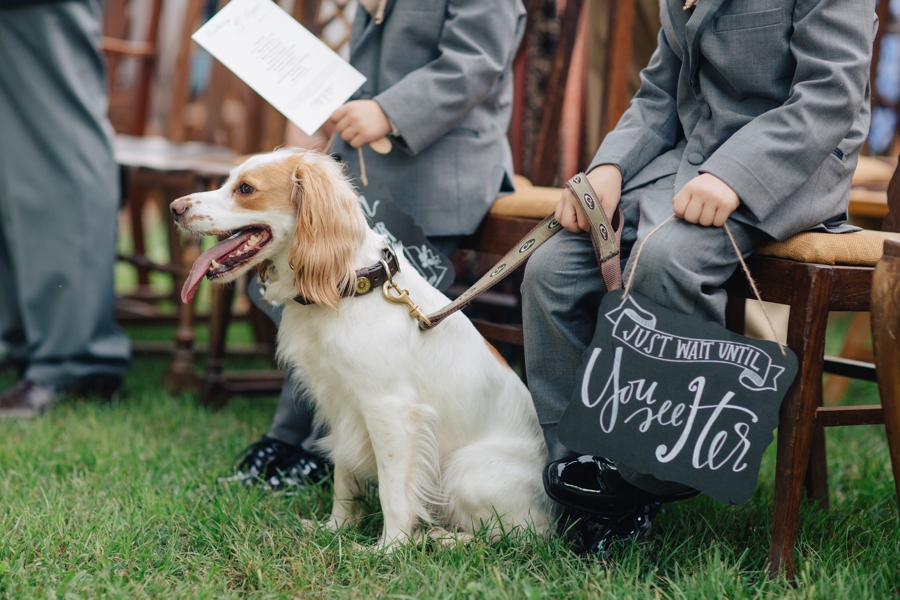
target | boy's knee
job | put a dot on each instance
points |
(542, 273)
(659, 266)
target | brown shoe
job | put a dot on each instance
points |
(26, 400)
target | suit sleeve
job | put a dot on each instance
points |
(476, 47)
(768, 159)
(650, 126)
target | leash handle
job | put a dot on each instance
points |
(605, 238)
(606, 246)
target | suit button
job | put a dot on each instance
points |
(695, 158)
(705, 110)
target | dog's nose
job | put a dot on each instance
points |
(178, 208)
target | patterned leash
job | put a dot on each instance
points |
(605, 239)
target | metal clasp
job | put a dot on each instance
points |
(403, 298)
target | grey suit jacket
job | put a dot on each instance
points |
(770, 96)
(442, 71)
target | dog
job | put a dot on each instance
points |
(437, 417)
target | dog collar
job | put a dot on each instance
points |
(367, 278)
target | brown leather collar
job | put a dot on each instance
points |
(367, 278)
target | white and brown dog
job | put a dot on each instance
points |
(440, 420)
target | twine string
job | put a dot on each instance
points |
(327, 149)
(737, 251)
(637, 257)
(362, 169)
(755, 291)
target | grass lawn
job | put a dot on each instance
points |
(120, 500)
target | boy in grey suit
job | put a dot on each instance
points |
(439, 84)
(750, 111)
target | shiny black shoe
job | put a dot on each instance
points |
(601, 537)
(275, 465)
(593, 485)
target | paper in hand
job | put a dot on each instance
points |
(281, 60)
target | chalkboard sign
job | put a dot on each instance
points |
(403, 233)
(677, 397)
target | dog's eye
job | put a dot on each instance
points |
(245, 189)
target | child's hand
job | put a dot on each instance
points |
(607, 183)
(360, 122)
(705, 200)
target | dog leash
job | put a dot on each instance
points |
(604, 236)
(606, 247)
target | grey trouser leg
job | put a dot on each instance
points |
(681, 267)
(59, 196)
(293, 422)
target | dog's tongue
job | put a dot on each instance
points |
(204, 261)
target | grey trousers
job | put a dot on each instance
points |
(293, 421)
(681, 267)
(59, 196)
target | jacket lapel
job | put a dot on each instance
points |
(678, 19)
(696, 25)
(364, 27)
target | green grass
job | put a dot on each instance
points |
(119, 501)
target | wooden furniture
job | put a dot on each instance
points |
(129, 93)
(813, 274)
(886, 340)
(205, 136)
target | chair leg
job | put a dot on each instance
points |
(816, 483)
(885, 332)
(806, 337)
(181, 375)
(213, 392)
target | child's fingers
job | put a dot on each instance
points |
(679, 203)
(340, 113)
(343, 123)
(349, 133)
(707, 213)
(693, 209)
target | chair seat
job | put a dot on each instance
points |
(528, 202)
(861, 249)
(160, 154)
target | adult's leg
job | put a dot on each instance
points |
(13, 349)
(59, 199)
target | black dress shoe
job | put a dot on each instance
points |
(7, 363)
(593, 485)
(26, 400)
(104, 387)
(601, 537)
(275, 465)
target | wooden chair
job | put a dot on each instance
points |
(205, 137)
(886, 340)
(129, 97)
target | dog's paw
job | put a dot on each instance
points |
(449, 539)
(310, 524)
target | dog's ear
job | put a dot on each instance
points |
(330, 230)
